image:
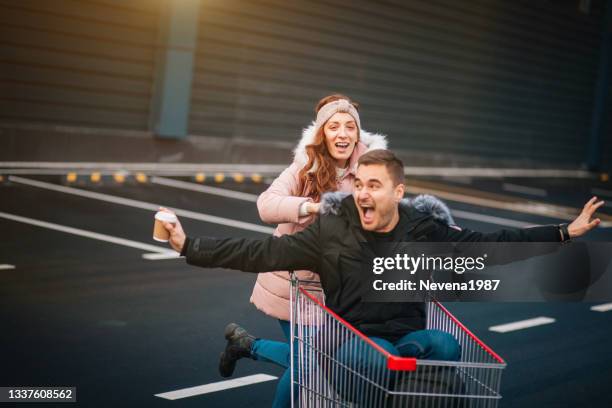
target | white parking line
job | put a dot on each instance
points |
(217, 386)
(506, 222)
(143, 205)
(223, 192)
(157, 257)
(4, 267)
(606, 307)
(87, 234)
(515, 188)
(522, 324)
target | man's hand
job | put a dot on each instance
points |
(177, 235)
(583, 223)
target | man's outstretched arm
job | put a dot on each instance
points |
(550, 233)
(289, 252)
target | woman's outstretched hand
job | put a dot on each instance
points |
(583, 223)
(313, 208)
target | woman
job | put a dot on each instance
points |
(325, 160)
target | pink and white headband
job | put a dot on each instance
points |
(330, 109)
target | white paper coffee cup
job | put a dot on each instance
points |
(159, 232)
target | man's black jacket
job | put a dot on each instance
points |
(331, 247)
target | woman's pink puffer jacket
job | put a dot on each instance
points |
(280, 204)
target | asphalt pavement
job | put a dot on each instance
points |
(81, 307)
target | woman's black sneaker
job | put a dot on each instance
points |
(239, 343)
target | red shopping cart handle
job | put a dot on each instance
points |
(396, 363)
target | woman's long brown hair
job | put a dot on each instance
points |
(323, 179)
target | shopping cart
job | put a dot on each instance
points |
(335, 365)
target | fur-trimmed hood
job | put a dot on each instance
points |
(370, 141)
(425, 203)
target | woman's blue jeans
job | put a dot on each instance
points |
(422, 344)
(278, 353)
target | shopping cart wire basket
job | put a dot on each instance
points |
(335, 365)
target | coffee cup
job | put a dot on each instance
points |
(159, 232)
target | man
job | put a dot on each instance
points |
(331, 247)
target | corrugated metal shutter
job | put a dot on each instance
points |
(79, 62)
(507, 79)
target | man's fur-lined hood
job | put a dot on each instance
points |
(371, 141)
(425, 203)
